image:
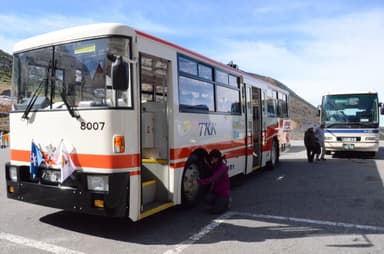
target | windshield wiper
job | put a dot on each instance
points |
(70, 108)
(32, 101)
(333, 124)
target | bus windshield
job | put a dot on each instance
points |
(76, 74)
(350, 110)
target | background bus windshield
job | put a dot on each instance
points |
(358, 109)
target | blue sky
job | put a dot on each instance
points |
(313, 46)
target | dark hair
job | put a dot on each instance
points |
(217, 154)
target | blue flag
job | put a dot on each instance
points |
(36, 159)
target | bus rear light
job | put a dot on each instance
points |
(118, 144)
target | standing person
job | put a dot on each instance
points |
(310, 142)
(219, 194)
(319, 133)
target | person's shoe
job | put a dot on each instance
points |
(317, 159)
(324, 159)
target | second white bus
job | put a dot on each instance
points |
(352, 122)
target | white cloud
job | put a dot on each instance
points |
(6, 44)
(15, 28)
(344, 53)
(139, 21)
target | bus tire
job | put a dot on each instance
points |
(189, 186)
(195, 169)
(274, 159)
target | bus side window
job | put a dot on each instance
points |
(271, 108)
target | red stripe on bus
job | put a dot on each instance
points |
(177, 165)
(235, 153)
(184, 152)
(242, 151)
(135, 173)
(90, 160)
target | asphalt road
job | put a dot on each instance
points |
(333, 206)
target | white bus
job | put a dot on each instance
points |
(112, 121)
(351, 122)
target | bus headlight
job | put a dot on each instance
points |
(328, 138)
(97, 183)
(12, 172)
(371, 139)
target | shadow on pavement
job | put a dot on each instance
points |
(339, 190)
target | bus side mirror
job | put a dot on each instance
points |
(318, 110)
(381, 108)
(120, 74)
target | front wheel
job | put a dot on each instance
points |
(190, 187)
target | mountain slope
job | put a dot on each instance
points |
(5, 69)
(302, 114)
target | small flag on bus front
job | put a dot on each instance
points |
(64, 161)
(36, 159)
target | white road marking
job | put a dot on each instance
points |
(215, 223)
(310, 221)
(36, 244)
(194, 238)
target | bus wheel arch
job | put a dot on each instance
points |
(194, 169)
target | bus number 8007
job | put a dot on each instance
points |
(92, 126)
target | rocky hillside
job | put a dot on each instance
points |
(302, 113)
(5, 69)
(5, 84)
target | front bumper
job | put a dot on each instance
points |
(349, 147)
(72, 195)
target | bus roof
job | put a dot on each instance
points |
(104, 29)
(349, 93)
(71, 34)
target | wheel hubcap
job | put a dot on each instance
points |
(189, 182)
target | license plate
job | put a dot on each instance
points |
(52, 176)
(348, 146)
(349, 139)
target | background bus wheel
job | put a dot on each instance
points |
(190, 188)
(274, 160)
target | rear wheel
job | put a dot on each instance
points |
(274, 159)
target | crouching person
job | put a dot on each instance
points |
(218, 197)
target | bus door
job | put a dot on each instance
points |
(256, 108)
(154, 80)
